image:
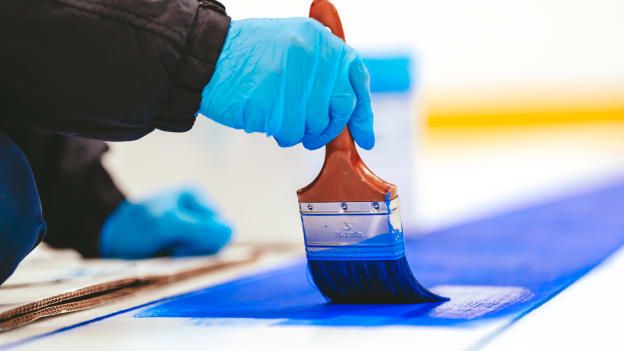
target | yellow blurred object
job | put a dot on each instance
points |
(537, 105)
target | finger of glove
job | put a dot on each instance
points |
(361, 122)
(194, 200)
(341, 106)
(131, 231)
(200, 236)
(325, 66)
(293, 88)
(317, 114)
(291, 120)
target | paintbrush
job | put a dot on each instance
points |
(352, 222)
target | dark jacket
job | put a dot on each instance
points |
(77, 193)
(107, 69)
(100, 69)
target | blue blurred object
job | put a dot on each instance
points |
(177, 223)
(389, 73)
(22, 226)
(292, 79)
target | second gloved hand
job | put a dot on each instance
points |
(291, 79)
(177, 223)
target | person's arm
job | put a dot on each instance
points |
(107, 69)
(77, 194)
(85, 210)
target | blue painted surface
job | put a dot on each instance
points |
(523, 258)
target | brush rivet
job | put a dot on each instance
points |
(344, 206)
(309, 207)
(376, 205)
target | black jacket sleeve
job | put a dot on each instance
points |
(77, 194)
(107, 69)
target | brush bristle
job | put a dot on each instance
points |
(369, 282)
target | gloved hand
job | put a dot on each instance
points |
(292, 79)
(177, 223)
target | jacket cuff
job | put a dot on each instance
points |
(195, 68)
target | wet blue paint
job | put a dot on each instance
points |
(500, 266)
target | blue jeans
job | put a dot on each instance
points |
(22, 226)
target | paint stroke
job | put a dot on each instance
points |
(470, 302)
(503, 266)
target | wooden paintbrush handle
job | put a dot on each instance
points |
(326, 13)
(344, 176)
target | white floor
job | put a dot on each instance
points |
(460, 176)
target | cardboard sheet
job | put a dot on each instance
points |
(52, 282)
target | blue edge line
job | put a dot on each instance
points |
(550, 246)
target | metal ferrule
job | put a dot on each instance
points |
(353, 230)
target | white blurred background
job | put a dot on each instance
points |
(467, 43)
(484, 49)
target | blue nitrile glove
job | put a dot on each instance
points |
(292, 79)
(178, 223)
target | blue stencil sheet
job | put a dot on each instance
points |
(502, 266)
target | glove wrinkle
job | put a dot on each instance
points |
(292, 80)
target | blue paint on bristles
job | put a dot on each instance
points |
(366, 282)
(355, 249)
(356, 253)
